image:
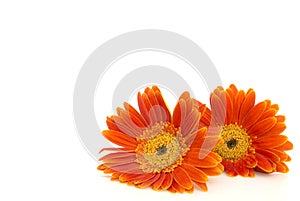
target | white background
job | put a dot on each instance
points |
(43, 46)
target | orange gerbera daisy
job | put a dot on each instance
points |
(158, 149)
(250, 134)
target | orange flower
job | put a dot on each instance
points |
(158, 149)
(250, 133)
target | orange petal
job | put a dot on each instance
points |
(218, 109)
(191, 123)
(251, 173)
(240, 168)
(275, 106)
(268, 154)
(247, 104)
(182, 178)
(233, 88)
(239, 99)
(229, 108)
(253, 115)
(101, 167)
(250, 161)
(118, 156)
(134, 130)
(231, 94)
(286, 146)
(268, 113)
(154, 117)
(277, 129)
(177, 188)
(136, 117)
(125, 177)
(281, 167)
(263, 163)
(125, 168)
(120, 139)
(172, 189)
(281, 154)
(111, 124)
(156, 185)
(163, 104)
(167, 181)
(195, 174)
(125, 128)
(215, 171)
(179, 113)
(143, 108)
(202, 186)
(262, 126)
(148, 182)
(280, 118)
(115, 176)
(209, 161)
(143, 178)
(191, 190)
(270, 141)
(229, 168)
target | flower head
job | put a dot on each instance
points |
(158, 149)
(250, 134)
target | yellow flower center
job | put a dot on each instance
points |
(160, 148)
(235, 142)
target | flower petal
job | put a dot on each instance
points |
(202, 186)
(229, 108)
(286, 146)
(281, 154)
(262, 126)
(195, 174)
(268, 113)
(209, 161)
(239, 99)
(276, 130)
(253, 115)
(229, 168)
(143, 178)
(179, 113)
(167, 181)
(218, 109)
(233, 88)
(143, 108)
(270, 141)
(268, 154)
(137, 118)
(191, 123)
(247, 104)
(156, 185)
(263, 163)
(240, 168)
(176, 187)
(250, 161)
(182, 178)
(148, 182)
(120, 139)
(166, 116)
(281, 167)
(215, 171)
(117, 157)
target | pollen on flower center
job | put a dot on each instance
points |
(160, 148)
(235, 142)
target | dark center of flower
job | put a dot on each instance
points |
(161, 147)
(235, 142)
(161, 150)
(231, 143)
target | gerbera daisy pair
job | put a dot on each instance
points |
(176, 151)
